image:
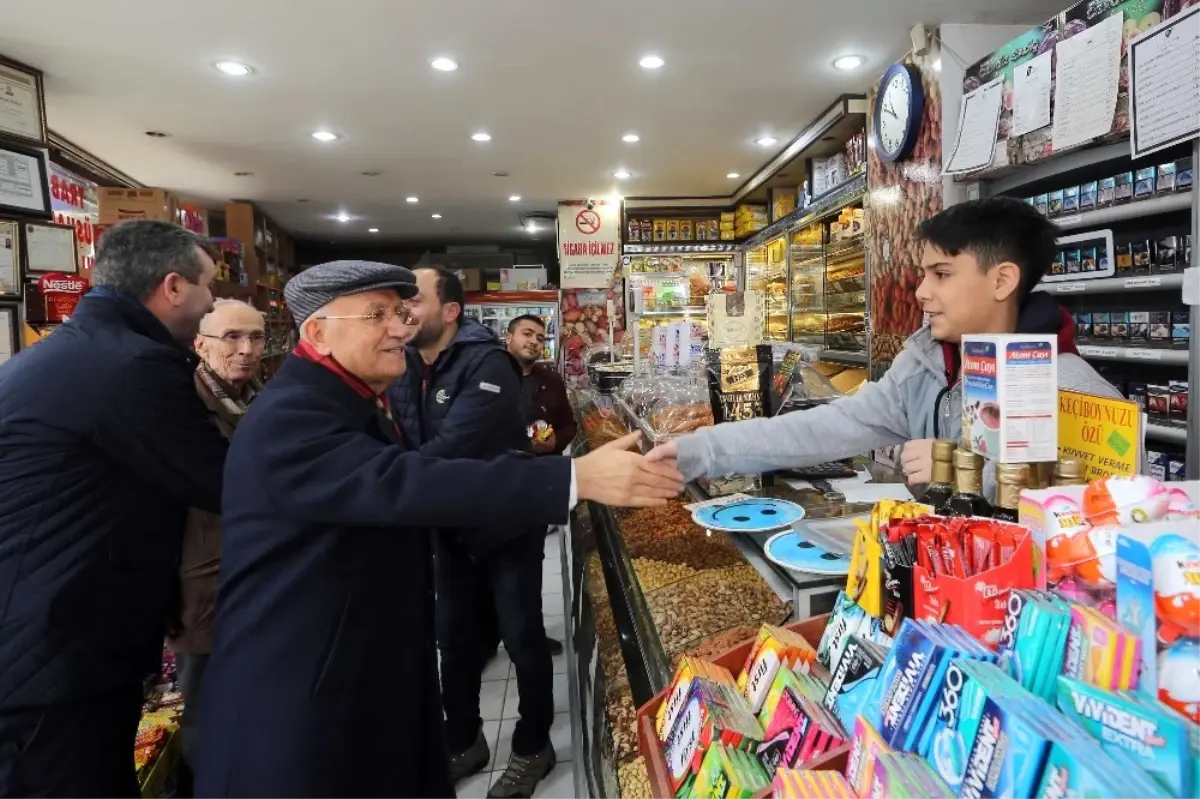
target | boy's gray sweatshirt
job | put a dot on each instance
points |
(909, 403)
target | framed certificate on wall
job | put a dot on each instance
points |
(24, 182)
(10, 258)
(10, 330)
(49, 248)
(22, 102)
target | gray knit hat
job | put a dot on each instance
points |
(317, 286)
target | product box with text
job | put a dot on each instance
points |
(1010, 397)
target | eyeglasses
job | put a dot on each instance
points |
(235, 339)
(377, 318)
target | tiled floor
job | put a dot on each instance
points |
(498, 699)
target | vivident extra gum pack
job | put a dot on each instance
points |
(853, 678)
(847, 619)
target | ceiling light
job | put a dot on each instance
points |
(443, 64)
(848, 62)
(631, 138)
(733, 176)
(343, 217)
(372, 230)
(243, 174)
(371, 173)
(937, 65)
(766, 141)
(436, 216)
(234, 69)
(516, 198)
(324, 135)
(157, 134)
(615, 199)
(410, 199)
(651, 62)
(481, 136)
(621, 175)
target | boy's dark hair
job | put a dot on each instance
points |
(449, 287)
(537, 320)
(996, 230)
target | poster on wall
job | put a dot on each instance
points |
(589, 243)
(23, 184)
(10, 340)
(50, 248)
(590, 317)
(22, 102)
(74, 201)
(1164, 84)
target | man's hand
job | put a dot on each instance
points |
(667, 453)
(544, 446)
(614, 476)
(916, 459)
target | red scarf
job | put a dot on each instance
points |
(305, 350)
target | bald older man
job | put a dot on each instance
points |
(230, 345)
(323, 679)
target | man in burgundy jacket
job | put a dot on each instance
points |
(543, 392)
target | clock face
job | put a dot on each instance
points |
(895, 111)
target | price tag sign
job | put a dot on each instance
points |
(1142, 282)
(1069, 288)
(1141, 354)
(1070, 220)
(1098, 352)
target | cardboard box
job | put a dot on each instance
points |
(472, 279)
(1010, 397)
(117, 205)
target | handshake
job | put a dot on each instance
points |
(612, 475)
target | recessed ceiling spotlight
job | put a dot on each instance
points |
(372, 230)
(766, 141)
(411, 199)
(848, 62)
(937, 65)
(343, 217)
(243, 174)
(516, 198)
(234, 69)
(443, 64)
(481, 136)
(324, 135)
(500, 174)
(302, 200)
(621, 175)
(631, 138)
(371, 173)
(436, 216)
(158, 134)
(651, 62)
(733, 176)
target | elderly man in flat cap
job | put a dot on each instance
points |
(323, 679)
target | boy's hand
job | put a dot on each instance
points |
(664, 453)
(916, 459)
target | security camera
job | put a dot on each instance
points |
(591, 204)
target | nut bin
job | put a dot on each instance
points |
(696, 549)
(634, 780)
(654, 574)
(622, 720)
(714, 600)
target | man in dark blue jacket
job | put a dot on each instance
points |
(461, 397)
(105, 445)
(323, 679)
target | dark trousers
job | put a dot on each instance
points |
(513, 576)
(82, 748)
(189, 676)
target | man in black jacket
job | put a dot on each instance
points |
(105, 446)
(323, 679)
(461, 397)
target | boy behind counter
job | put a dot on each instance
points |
(980, 263)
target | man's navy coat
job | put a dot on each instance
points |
(323, 679)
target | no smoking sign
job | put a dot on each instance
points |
(587, 222)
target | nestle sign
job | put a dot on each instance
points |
(61, 293)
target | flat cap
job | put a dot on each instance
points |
(319, 285)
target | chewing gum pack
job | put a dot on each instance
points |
(804, 685)
(1033, 639)
(1151, 734)
(726, 773)
(689, 670)
(900, 775)
(847, 619)
(804, 784)
(800, 731)
(865, 748)
(1101, 651)
(775, 648)
(713, 713)
(853, 678)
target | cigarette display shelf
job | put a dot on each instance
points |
(1169, 434)
(1115, 285)
(1146, 355)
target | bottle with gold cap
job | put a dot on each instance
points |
(941, 480)
(968, 487)
(1068, 472)
(1040, 474)
(1011, 480)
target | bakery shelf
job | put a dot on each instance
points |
(1167, 203)
(1134, 355)
(845, 356)
(1114, 285)
(1167, 433)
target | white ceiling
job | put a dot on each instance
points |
(555, 82)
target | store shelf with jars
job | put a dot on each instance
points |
(671, 289)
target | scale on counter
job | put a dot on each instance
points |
(751, 515)
(814, 547)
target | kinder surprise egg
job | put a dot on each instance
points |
(1066, 537)
(1179, 678)
(1175, 563)
(1099, 544)
(1179, 505)
(1125, 500)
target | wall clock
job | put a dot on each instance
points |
(899, 106)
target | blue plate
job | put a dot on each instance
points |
(758, 515)
(792, 551)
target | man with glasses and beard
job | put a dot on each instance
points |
(323, 679)
(461, 398)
